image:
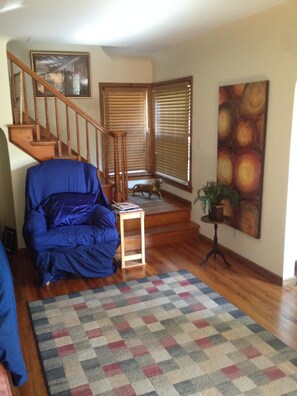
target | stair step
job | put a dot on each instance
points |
(162, 235)
(160, 219)
(166, 221)
(43, 143)
(22, 137)
(22, 126)
(163, 212)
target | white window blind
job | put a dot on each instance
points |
(125, 109)
(172, 122)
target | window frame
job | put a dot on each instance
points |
(151, 163)
(188, 80)
(149, 140)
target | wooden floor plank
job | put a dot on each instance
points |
(272, 306)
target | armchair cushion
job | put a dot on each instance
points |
(68, 209)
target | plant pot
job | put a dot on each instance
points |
(216, 213)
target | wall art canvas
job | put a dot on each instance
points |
(242, 119)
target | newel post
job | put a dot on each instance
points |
(120, 166)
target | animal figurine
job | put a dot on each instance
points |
(153, 188)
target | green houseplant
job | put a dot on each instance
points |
(211, 196)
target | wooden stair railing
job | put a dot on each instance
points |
(55, 118)
(54, 111)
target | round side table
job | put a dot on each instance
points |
(215, 248)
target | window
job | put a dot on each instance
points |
(124, 107)
(167, 151)
(172, 103)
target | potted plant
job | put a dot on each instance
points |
(211, 196)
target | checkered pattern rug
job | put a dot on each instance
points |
(163, 335)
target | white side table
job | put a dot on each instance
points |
(138, 214)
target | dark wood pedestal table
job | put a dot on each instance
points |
(215, 249)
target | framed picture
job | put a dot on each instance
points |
(68, 72)
(9, 239)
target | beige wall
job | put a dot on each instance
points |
(13, 192)
(7, 212)
(7, 217)
(260, 48)
(6, 196)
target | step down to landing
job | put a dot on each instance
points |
(166, 221)
(163, 235)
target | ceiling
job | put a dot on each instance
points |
(136, 25)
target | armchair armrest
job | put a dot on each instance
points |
(103, 217)
(35, 224)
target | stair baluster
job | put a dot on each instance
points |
(25, 98)
(47, 123)
(88, 142)
(78, 140)
(69, 150)
(59, 144)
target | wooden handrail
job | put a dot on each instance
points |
(55, 92)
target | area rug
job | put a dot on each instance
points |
(164, 335)
(144, 199)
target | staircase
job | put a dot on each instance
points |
(166, 221)
(52, 126)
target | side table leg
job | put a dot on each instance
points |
(215, 240)
(122, 247)
(142, 233)
(227, 264)
(215, 250)
(209, 254)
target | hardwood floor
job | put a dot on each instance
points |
(272, 306)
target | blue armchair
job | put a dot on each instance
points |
(11, 356)
(68, 222)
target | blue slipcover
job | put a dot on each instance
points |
(11, 356)
(61, 245)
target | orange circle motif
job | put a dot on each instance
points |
(247, 172)
(253, 99)
(245, 133)
(248, 219)
(237, 90)
(225, 167)
(225, 122)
